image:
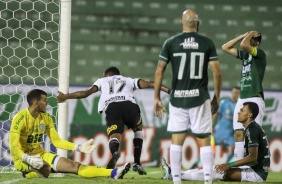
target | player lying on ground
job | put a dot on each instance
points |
(254, 167)
(26, 134)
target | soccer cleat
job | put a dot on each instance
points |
(113, 160)
(166, 170)
(119, 172)
(138, 168)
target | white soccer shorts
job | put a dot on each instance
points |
(198, 119)
(249, 175)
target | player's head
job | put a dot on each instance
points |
(256, 40)
(190, 20)
(248, 112)
(235, 93)
(111, 71)
(38, 99)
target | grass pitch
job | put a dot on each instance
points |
(154, 176)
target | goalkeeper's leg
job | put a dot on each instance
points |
(29, 172)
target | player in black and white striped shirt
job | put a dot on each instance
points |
(118, 104)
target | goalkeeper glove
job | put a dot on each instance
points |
(33, 161)
(87, 147)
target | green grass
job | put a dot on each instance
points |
(154, 176)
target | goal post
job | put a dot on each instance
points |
(64, 69)
(34, 53)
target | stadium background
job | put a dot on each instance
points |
(129, 35)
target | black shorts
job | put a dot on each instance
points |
(122, 113)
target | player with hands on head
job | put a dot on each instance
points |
(190, 106)
(253, 61)
(26, 133)
(118, 104)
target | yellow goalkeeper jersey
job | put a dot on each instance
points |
(26, 134)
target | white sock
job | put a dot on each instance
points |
(217, 176)
(193, 174)
(207, 160)
(239, 150)
(175, 162)
(198, 175)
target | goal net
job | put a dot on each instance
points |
(29, 54)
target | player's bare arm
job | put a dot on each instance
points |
(217, 80)
(251, 158)
(76, 95)
(150, 84)
(247, 43)
(229, 46)
(158, 105)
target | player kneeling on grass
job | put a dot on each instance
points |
(26, 133)
(253, 167)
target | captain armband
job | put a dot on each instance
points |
(254, 51)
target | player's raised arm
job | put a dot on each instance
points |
(250, 42)
(76, 95)
(229, 46)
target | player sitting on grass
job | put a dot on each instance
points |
(26, 134)
(254, 167)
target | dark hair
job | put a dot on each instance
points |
(253, 107)
(258, 38)
(112, 71)
(34, 94)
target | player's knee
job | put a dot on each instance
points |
(239, 135)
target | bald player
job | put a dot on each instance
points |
(190, 106)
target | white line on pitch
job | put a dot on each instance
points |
(11, 181)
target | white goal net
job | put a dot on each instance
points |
(29, 52)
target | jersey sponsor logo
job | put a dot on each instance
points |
(189, 43)
(111, 128)
(113, 99)
(186, 93)
(42, 127)
(246, 69)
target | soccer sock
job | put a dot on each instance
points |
(32, 174)
(239, 150)
(198, 175)
(229, 156)
(113, 145)
(137, 142)
(175, 161)
(93, 171)
(207, 159)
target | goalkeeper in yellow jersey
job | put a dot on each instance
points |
(26, 133)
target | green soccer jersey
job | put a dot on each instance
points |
(255, 136)
(252, 73)
(189, 55)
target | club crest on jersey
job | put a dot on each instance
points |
(42, 126)
(189, 43)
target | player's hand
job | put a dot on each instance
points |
(245, 34)
(33, 161)
(87, 147)
(159, 108)
(60, 97)
(214, 105)
(222, 168)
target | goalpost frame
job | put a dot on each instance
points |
(64, 69)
